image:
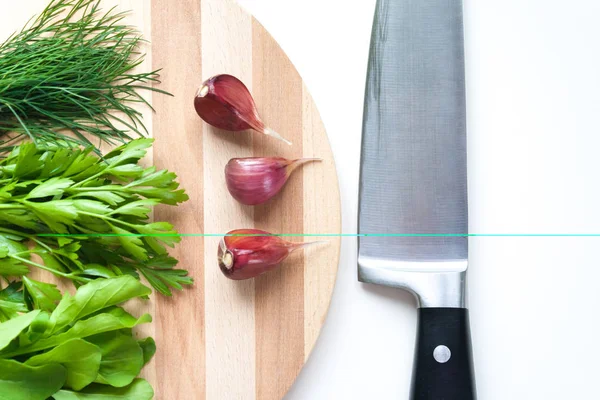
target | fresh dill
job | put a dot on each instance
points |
(68, 77)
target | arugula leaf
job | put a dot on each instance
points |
(148, 347)
(80, 358)
(86, 339)
(40, 295)
(100, 323)
(94, 297)
(23, 382)
(37, 329)
(122, 358)
(138, 390)
(13, 327)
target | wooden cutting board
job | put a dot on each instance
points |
(222, 339)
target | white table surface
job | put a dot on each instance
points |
(533, 73)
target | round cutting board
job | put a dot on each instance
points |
(223, 339)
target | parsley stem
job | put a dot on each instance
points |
(45, 268)
(15, 233)
(74, 188)
(11, 206)
(90, 178)
(107, 218)
(26, 236)
(42, 244)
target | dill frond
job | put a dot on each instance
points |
(70, 70)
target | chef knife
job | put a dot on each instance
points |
(413, 183)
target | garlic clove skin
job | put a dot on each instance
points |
(224, 102)
(244, 257)
(255, 180)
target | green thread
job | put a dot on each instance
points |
(323, 234)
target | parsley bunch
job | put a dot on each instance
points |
(87, 217)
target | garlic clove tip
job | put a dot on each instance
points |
(271, 132)
(304, 245)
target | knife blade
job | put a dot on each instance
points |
(413, 213)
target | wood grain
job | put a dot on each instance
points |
(230, 332)
(222, 339)
(321, 216)
(179, 147)
(280, 294)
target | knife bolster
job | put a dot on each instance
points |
(440, 290)
(435, 289)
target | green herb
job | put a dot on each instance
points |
(23, 382)
(81, 360)
(122, 358)
(148, 348)
(138, 390)
(11, 302)
(40, 295)
(13, 327)
(98, 211)
(83, 349)
(71, 70)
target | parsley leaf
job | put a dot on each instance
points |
(102, 206)
(11, 301)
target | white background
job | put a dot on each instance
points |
(533, 73)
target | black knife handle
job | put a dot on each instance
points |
(443, 368)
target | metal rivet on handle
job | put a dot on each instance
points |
(442, 354)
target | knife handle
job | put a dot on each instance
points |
(443, 368)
